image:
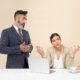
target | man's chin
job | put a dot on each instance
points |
(23, 25)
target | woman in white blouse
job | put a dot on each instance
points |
(58, 55)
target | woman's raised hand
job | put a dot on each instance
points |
(75, 49)
(40, 50)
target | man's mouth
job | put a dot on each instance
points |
(23, 25)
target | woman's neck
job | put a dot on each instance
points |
(58, 52)
(59, 49)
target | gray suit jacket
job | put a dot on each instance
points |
(9, 45)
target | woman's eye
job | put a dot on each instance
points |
(53, 40)
(57, 38)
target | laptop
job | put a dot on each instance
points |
(39, 65)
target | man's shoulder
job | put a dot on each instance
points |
(6, 30)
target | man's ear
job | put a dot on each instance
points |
(18, 18)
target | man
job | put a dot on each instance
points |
(16, 43)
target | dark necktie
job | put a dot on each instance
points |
(20, 35)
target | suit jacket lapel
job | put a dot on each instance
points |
(15, 33)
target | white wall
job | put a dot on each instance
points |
(45, 17)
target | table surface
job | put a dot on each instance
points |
(25, 74)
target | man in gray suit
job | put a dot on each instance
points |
(16, 43)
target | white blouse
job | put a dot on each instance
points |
(58, 63)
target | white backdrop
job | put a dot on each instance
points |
(45, 17)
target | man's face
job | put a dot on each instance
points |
(21, 19)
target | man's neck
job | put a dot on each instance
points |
(16, 24)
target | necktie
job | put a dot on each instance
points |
(20, 35)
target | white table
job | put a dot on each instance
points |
(25, 74)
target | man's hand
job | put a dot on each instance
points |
(24, 47)
(28, 48)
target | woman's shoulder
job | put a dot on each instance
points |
(66, 49)
(50, 49)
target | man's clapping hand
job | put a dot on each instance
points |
(24, 47)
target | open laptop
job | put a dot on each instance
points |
(39, 65)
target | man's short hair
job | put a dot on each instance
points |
(18, 12)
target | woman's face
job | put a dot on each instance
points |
(56, 42)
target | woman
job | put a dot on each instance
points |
(58, 55)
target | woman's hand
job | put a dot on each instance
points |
(40, 51)
(75, 49)
(78, 67)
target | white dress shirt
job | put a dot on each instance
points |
(16, 28)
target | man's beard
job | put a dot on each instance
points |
(23, 25)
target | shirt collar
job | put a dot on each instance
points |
(15, 27)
